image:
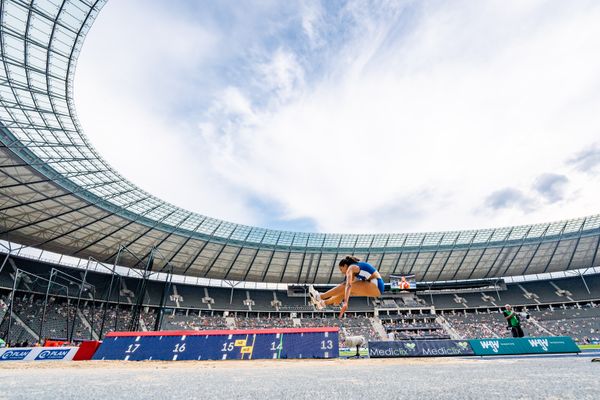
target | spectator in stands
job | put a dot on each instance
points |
(2, 343)
(513, 321)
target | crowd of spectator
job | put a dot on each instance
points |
(395, 326)
(581, 323)
(195, 322)
(264, 323)
(400, 329)
(349, 326)
(417, 335)
(409, 317)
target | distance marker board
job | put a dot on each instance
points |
(287, 343)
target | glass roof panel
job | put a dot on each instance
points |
(36, 101)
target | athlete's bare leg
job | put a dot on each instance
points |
(335, 300)
(336, 291)
(359, 289)
(364, 289)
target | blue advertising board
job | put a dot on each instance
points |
(38, 353)
(533, 345)
(220, 345)
(420, 348)
(52, 354)
(14, 354)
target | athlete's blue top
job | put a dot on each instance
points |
(366, 270)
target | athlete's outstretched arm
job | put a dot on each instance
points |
(349, 280)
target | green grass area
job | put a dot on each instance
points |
(589, 346)
(349, 353)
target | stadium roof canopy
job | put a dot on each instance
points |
(58, 194)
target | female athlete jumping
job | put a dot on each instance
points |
(362, 279)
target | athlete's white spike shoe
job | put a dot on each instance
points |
(314, 293)
(315, 298)
(319, 304)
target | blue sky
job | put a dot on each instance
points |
(350, 116)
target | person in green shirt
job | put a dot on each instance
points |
(513, 321)
(2, 343)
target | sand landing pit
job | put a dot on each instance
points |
(440, 378)
(228, 364)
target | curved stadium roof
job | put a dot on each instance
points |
(58, 194)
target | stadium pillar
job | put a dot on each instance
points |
(4, 262)
(496, 287)
(107, 298)
(305, 295)
(118, 303)
(93, 314)
(10, 307)
(431, 294)
(232, 285)
(81, 288)
(44, 309)
(163, 299)
(134, 324)
(580, 274)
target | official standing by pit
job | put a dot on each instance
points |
(513, 321)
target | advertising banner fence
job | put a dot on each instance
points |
(420, 348)
(534, 345)
(38, 353)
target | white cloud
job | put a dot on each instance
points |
(311, 14)
(417, 117)
(131, 71)
(282, 75)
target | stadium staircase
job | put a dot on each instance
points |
(540, 326)
(175, 297)
(562, 293)
(87, 324)
(378, 327)
(230, 321)
(447, 328)
(143, 326)
(489, 332)
(125, 292)
(17, 320)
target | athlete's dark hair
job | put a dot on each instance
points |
(348, 260)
